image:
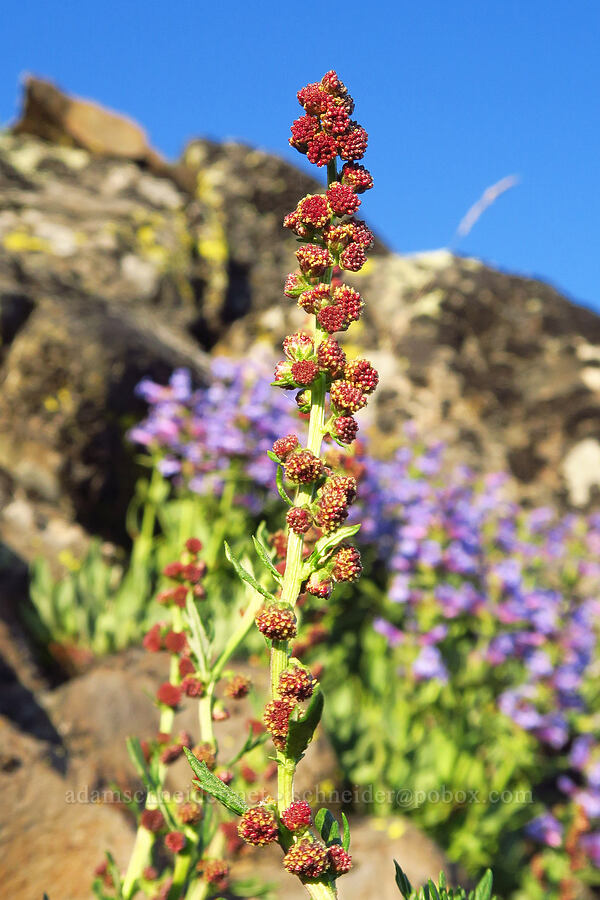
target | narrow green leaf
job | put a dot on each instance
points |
(264, 555)
(251, 742)
(404, 885)
(115, 875)
(246, 576)
(199, 641)
(346, 834)
(302, 729)
(139, 763)
(433, 891)
(320, 818)
(215, 787)
(272, 456)
(282, 491)
(442, 880)
(326, 544)
(483, 891)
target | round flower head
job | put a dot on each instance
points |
(313, 260)
(361, 234)
(346, 397)
(314, 210)
(322, 149)
(192, 687)
(295, 224)
(258, 826)
(330, 357)
(175, 641)
(152, 820)
(350, 301)
(282, 376)
(339, 859)
(277, 719)
(238, 687)
(357, 177)
(347, 565)
(304, 130)
(297, 817)
(308, 859)
(304, 372)
(189, 813)
(303, 467)
(345, 429)
(319, 586)
(193, 545)
(298, 346)
(276, 622)
(332, 318)
(214, 871)
(299, 519)
(353, 144)
(313, 98)
(205, 753)
(361, 373)
(285, 445)
(342, 199)
(339, 236)
(175, 841)
(169, 694)
(353, 257)
(153, 640)
(313, 299)
(296, 682)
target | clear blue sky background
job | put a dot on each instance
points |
(455, 95)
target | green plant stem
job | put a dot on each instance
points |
(292, 582)
(215, 848)
(207, 734)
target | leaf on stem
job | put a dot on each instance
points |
(199, 641)
(325, 544)
(264, 555)
(214, 786)
(252, 741)
(404, 885)
(302, 729)
(246, 576)
(115, 875)
(346, 834)
(328, 827)
(282, 491)
(483, 891)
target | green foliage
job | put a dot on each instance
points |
(215, 786)
(102, 603)
(441, 891)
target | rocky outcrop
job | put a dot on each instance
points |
(112, 267)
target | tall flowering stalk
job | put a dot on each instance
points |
(314, 552)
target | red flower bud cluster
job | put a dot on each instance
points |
(285, 445)
(319, 585)
(307, 859)
(299, 519)
(258, 826)
(297, 683)
(327, 131)
(297, 817)
(347, 565)
(314, 260)
(278, 623)
(277, 717)
(303, 467)
(339, 859)
(333, 502)
(238, 687)
(215, 871)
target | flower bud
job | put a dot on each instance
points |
(347, 565)
(297, 683)
(307, 859)
(339, 859)
(258, 826)
(297, 817)
(345, 429)
(342, 199)
(299, 519)
(314, 260)
(304, 372)
(276, 622)
(357, 177)
(330, 357)
(346, 397)
(361, 373)
(285, 445)
(353, 257)
(298, 346)
(303, 467)
(353, 144)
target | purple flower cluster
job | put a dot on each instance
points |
(523, 584)
(195, 435)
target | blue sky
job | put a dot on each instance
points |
(454, 95)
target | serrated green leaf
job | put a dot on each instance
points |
(215, 787)
(198, 638)
(280, 487)
(346, 833)
(483, 891)
(246, 576)
(264, 555)
(302, 729)
(404, 885)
